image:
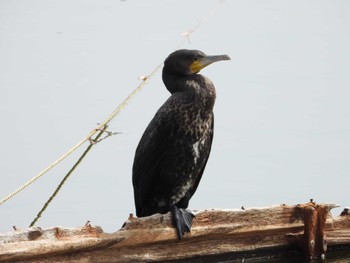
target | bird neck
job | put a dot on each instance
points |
(198, 89)
(173, 83)
(192, 83)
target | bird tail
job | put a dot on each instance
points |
(182, 220)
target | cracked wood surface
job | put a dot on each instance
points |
(216, 235)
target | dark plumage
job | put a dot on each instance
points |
(173, 151)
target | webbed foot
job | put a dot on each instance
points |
(182, 220)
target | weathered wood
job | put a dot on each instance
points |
(216, 235)
(313, 240)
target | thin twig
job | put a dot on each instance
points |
(66, 177)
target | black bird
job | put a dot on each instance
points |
(174, 149)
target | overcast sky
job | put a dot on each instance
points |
(282, 131)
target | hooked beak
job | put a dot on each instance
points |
(201, 63)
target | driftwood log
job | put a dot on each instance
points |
(216, 235)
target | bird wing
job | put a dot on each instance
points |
(209, 142)
(149, 155)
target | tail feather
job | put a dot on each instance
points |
(182, 220)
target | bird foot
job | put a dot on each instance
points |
(182, 220)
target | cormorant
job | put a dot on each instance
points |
(173, 151)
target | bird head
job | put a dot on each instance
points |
(185, 62)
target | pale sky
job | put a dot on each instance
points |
(282, 131)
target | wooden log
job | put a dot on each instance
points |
(216, 235)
